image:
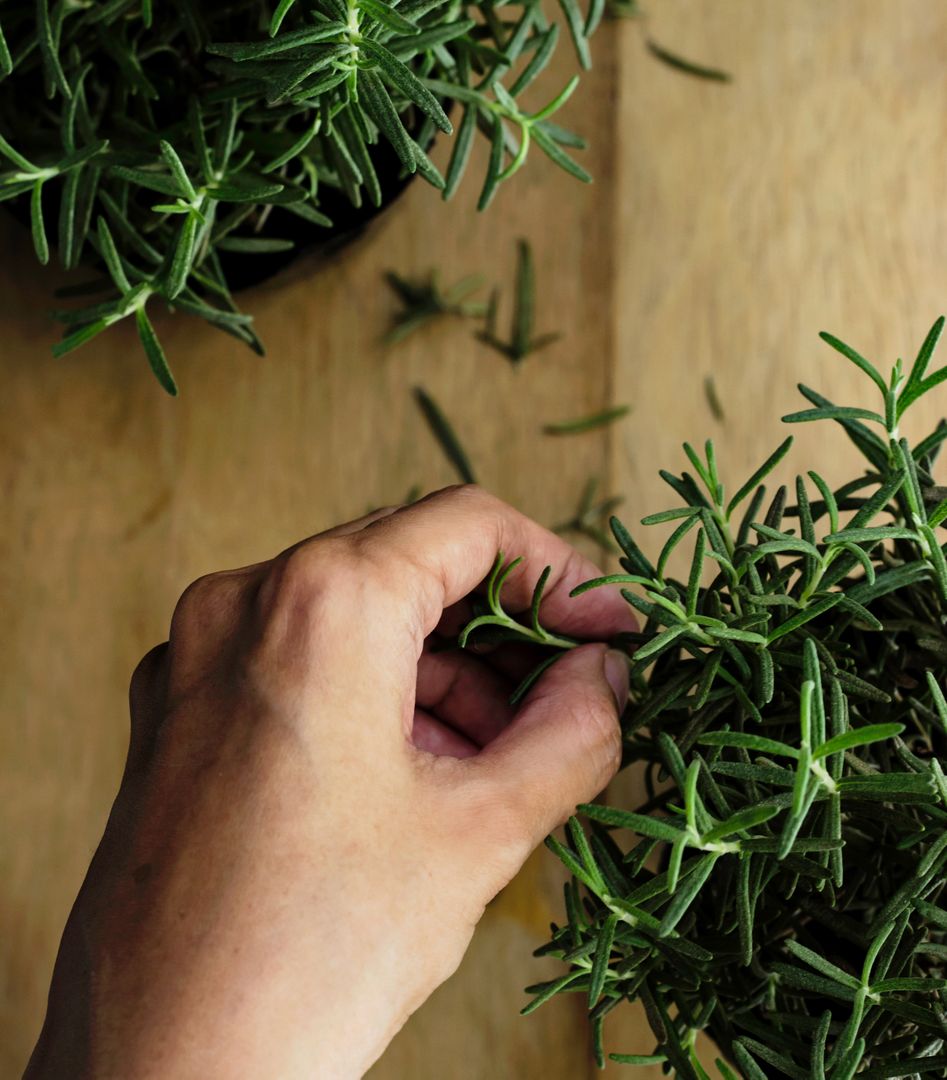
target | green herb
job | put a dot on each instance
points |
(425, 301)
(625, 9)
(782, 887)
(713, 399)
(522, 341)
(191, 132)
(688, 67)
(500, 626)
(631, 9)
(591, 516)
(497, 617)
(588, 423)
(445, 435)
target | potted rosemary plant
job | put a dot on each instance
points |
(184, 148)
(782, 886)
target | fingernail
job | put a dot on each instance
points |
(617, 677)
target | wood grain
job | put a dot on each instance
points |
(727, 225)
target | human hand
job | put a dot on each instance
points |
(317, 804)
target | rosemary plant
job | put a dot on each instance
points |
(782, 885)
(170, 138)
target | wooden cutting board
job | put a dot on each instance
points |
(727, 225)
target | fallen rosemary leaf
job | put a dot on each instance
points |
(445, 435)
(522, 340)
(588, 423)
(688, 67)
(423, 302)
(713, 399)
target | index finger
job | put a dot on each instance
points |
(446, 545)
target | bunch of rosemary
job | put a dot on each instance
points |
(781, 888)
(170, 136)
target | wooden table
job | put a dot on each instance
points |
(727, 225)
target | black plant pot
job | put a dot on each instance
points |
(314, 244)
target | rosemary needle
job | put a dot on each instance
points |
(588, 423)
(445, 435)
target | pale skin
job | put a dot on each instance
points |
(318, 803)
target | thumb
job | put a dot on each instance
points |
(564, 744)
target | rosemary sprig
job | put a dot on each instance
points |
(688, 67)
(782, 886)
(425, 301)
(632, 9)
(501, 626)
(523, 339)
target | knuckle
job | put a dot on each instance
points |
(313, 571)
(473, 492)
(309, 591)
(289, 575)
(146, 670)
(382, 512)
(197, 601)
(374, 568)
(467, 494)
(367, 551)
